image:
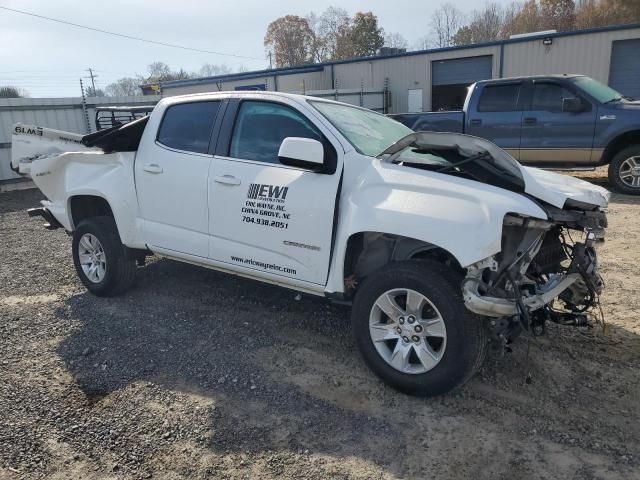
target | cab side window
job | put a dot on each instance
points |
(499, 98)
(187, 126)
(262, 126)
(548, 97)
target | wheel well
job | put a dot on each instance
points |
(619, 143)
(370, 251)
(85, 206)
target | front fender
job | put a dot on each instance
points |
(461, 216)
(109, 176)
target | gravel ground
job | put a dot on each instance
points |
(194, 374)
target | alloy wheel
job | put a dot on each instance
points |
(408, 331)
(92, 258)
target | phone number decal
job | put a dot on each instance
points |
(266, 206)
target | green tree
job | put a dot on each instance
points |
(366, 37)
(291, 41)
(12, 92)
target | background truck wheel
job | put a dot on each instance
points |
(413, 330)
(624, 171)
(105, 266)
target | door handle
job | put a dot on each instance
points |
(475, 122)
(227, 179)
(152, 168)
(530, 121)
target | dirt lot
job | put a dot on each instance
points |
(194, 374)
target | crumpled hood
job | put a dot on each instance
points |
(556, 189)
(550, 187)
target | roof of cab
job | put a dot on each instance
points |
(531, 77)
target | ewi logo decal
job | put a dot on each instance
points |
(267, 191)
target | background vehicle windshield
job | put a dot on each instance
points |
(597, 90)
(369, 132)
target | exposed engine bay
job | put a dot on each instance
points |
(547, 270)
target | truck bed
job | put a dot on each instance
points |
(449, 121)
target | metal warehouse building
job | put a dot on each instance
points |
(437, 79)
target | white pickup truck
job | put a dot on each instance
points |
(444, 244)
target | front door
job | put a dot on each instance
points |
(171, 179)
(265, 217)
(551, 136)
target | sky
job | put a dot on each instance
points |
(47, 59)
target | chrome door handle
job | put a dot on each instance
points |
(152, 168)
(227, 179)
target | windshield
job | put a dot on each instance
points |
(597, 90)
(369, 132)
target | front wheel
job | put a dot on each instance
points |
(413, 330)
(624, 171)
(105, 266)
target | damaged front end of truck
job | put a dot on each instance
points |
(546, 268)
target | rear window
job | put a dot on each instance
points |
(187, 126)
(499, 98)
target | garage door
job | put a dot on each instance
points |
(461, 70)
(450, 79)
(625, 67)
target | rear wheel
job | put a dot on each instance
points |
(105, 266)
(624, 171)
(413, 330)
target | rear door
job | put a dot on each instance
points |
(496, 114)
(267, 218)
(171, 173)
(551, 136)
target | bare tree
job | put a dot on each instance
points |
(327, 29)
(211, 70)
(395, 40)
(485, 25)
(422, 43)
(445, 23)
(558, 14)
(527, 19)
(90, 92)
(126, 86)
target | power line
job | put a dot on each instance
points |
(172, 45)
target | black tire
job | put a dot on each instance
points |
(466, 333)
(615, 167)
(120, 267)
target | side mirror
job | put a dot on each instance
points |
(572, 105)
(301, 152)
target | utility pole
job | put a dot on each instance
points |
(92, 76)
(270, 64)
